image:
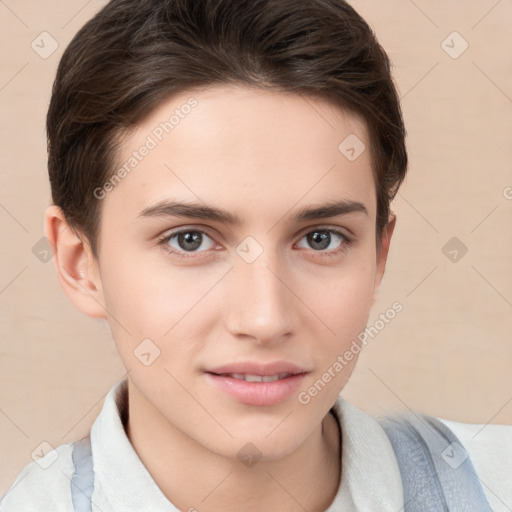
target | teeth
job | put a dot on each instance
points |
(257, 378)
(253, 378)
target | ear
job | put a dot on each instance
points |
(382, 253)
(77, 269)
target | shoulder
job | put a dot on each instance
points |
(489, 448)
(42, 485)
(493, 441)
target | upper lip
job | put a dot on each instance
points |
(263, 369)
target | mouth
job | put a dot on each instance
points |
(255, 378)
(257, 384)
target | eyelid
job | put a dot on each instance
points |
(204, 230)
(344, 232)
(164, 239)
(184, 229)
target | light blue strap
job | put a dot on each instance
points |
(82, 482)
(437, 474)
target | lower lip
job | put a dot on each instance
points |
(257, 393)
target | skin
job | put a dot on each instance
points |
(262, 156)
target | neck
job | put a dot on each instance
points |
(194, 478)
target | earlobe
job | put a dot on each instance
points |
(76, 267)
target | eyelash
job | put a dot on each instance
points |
(345, 244)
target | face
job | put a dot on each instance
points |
(237, 260)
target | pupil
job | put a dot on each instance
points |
(190, 241)
(319, 239)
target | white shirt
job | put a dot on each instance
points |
(370, 478)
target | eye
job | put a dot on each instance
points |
(187, 241)
(325, 240)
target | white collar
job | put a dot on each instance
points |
(370, 478)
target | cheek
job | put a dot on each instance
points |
(172, 307)
(343, 308)
(344, 300)
(151, 294)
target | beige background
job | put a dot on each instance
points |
(447, 353)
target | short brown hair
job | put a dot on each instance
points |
(134, 54)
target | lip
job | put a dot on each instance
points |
(252, 368)
(257, 393)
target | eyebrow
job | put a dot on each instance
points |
(199, 211)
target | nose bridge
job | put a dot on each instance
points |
(260, 304)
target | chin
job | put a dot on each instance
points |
(259, 442)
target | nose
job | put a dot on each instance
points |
(260, 306)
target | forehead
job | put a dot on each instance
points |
(231, 144)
